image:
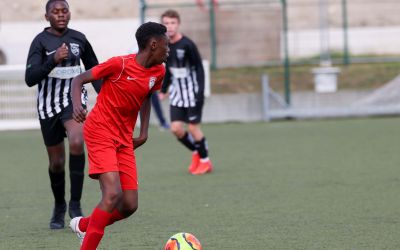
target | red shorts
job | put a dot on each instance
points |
(108, 155)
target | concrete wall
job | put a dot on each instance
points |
(109, 37)
(249, 35)
(34, 10)
(245, 35)
(254, 41)
(303, 14)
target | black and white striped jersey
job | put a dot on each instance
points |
(54, 80)
(185, 74)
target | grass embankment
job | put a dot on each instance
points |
(248, 80)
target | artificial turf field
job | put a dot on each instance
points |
(332, 184)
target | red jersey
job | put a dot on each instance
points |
(125, 86)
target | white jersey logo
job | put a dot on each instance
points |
(179, 72)
(49, 53)
(65, 72)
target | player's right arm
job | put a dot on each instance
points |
(38, 67)
(111, 69)
(79, 113)
(89, 59)
(165, 84)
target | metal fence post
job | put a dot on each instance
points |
(265, 97)
(346, 59)
(143, 7)
(286, 52)
(325, 55)
(213, 35)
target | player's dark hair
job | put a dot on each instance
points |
(171, 14)
(49, 2)
(147, 31)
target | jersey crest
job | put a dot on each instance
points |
(180, 53)
(74, 48)
(152, 81)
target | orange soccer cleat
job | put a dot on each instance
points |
(203, 168)
(195, 162)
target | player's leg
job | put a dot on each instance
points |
(177, 128)
(205, 165)
(129, 181)
(195, 131)
(56, 156)
(103, 213)
(103, 165)
(178, 120)
(128, 204)
(126, 207)
(115, 204)
(53, 135)
(200, 142)
(76, 165)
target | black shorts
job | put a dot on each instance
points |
(53, 130)
(187, 115)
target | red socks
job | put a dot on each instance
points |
(83, 223)
(115, 216)
(94, 226)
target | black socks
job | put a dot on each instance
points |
(202, 148)
(57, 182)
(188, 141)
(76, 174)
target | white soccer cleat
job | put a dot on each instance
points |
(74, 225)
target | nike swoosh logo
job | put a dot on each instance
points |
(130, 78)
(192, 118)
(51, 52)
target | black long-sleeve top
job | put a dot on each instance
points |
(54, 80)
(184, 75)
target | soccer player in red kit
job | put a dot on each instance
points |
(128, 82)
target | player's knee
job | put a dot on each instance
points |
(193, 128)
(174, 129)
(57, 165)
(177, 131)
(131, 209)
(76, 145)
(130, 203)
(111, 198)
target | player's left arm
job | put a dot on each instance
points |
(144, 122)
(196, 62)
(89, 59)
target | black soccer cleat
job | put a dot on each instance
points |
(74, 209)
(57, 219)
